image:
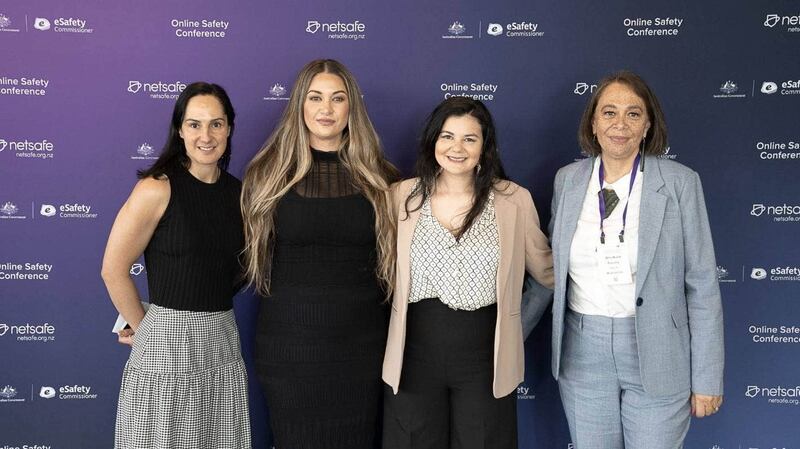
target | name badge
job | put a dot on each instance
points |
(613, 264)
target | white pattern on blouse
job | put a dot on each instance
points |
(463, 273)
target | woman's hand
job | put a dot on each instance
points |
(125, 336)
(704, 405)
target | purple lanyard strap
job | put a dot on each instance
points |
(603, 203)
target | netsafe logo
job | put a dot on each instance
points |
(338, 30)
(312, 26)
(582, 88)
(779, 212)
(157, 89)
(137, 269)
(772, 20)
(3, 144)
(3, 329)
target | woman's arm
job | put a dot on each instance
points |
(132, 230)
(538, 256)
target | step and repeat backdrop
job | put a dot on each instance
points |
(86, 91)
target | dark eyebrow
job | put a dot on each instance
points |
(318, 92)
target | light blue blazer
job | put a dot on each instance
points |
(679, 310)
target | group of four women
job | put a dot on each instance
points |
(418, 283)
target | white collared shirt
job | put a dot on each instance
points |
(587, 294)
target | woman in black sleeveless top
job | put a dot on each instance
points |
(319, 249)
(184, 384)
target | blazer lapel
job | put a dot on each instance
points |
(575, 192)
(506, 217)
(651, 217)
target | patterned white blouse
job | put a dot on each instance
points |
(462, 274)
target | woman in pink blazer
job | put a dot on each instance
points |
(466, 235)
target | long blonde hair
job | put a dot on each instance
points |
(285, 159)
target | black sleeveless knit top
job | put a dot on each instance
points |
(192, 259)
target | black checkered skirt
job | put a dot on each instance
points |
(185, 384)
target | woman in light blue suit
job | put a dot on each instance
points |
(637, 316)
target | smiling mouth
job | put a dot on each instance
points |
(326, 122)
(456, 159)
(207, 149)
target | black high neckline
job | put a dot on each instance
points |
(327, 156)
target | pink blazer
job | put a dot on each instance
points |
(523, 247)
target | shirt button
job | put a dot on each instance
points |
(639, 302)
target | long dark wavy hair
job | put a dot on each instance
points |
(490, 169)
(173, 155)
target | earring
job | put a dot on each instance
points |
(478, 169)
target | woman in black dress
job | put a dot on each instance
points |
(318, 247)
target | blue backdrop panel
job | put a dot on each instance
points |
(86, 89)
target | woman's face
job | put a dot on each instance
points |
(458, 147)
(326, 111)
(620, 122)
(204, 131)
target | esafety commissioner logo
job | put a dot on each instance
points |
(31, 149)
(789, 23)
(354, 30)
(516, 29)
(524, 392)
(778, 212)
(73, 25)
(774, 394)
(28, 332)
(785, 87)
(67, 392)
(67, 210)
(277, 92)
(779, 273)
(157, 90)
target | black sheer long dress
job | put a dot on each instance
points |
(322, 332)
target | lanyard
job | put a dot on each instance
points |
(603, 203)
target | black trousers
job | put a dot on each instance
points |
(445, 398)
